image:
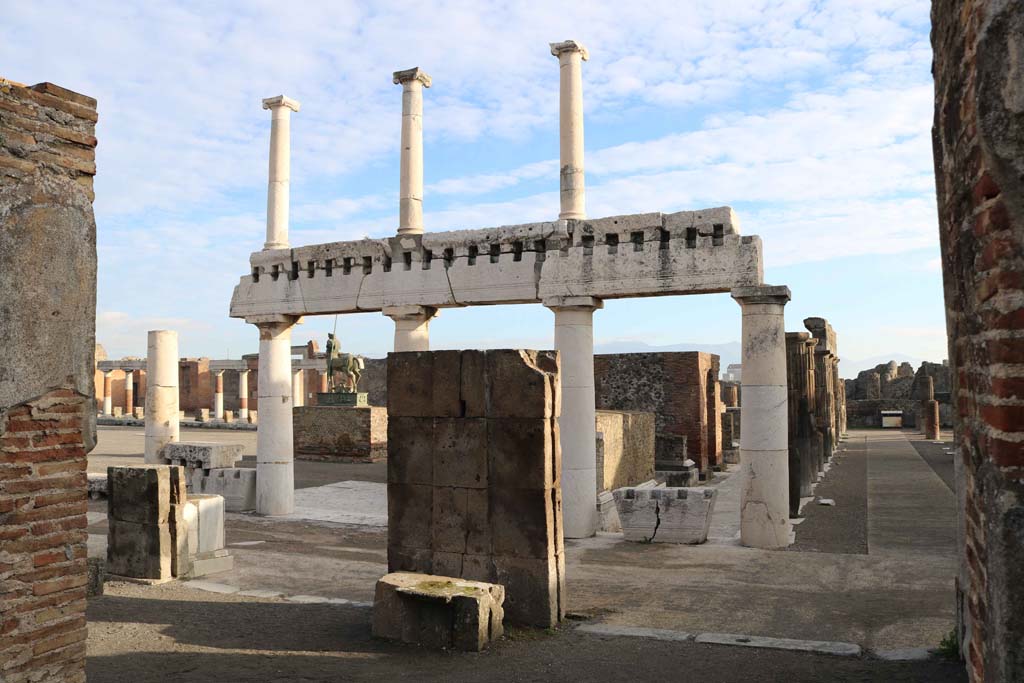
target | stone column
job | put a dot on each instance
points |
(412, 326)
(161, 393)
(410, 193)
(297, 389)
(280, 108)
(322, 374)
(764, 443)
(129, 392)
(574, 340)
(275, 474)
(571, 56)
(930, 415)
(108, 400)
(218, 395)
(243, 394)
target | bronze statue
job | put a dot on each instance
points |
(349, 365)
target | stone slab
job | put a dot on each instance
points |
(820, 646)
(665, 515)
(202, 454)
(237, 485)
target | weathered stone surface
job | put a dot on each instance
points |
(137, 550)
(665, 515)
(522, 383)
(141, 494)
(340, 434)
(521, 452)
(97, 576)
(438, 611)
(237, 485)
(460, 452)
(203, 455)
(626, 456)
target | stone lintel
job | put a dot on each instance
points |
(413, 74)
(569, 46)
(762, 294)
(228, 364)
(582, 302)
(281, 101)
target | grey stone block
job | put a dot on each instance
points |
(522, 383)
(523, 452)
(460, 452)
(142, 551)
(523, 522)
(438, 611)
(97, 576)
(237, 485)
(410, 450)
(534, 589)
(203, 455)
(410, 514)
(665, 515)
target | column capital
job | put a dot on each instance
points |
(410, 75)
(410, 312)
(218, 373)
(570, 302)
(557, 49)
(281, 101)
(762, 294)
(108, 373)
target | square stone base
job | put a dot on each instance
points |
(340, 433)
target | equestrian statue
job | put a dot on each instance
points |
(349, 365)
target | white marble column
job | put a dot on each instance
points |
(129, 392)
(410, 193)
(218, 395)
(571, 56)
(275, 474)
(764, 439)
(574, 340)
(412, 326)
(297, 389)
(280, 108)
(108, 399)
(243, 394)
(161, 393)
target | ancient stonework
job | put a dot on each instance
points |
(474, 473)
(805, 449)
(978, 140)
(626, 455)
(340, 434)
(47, 410)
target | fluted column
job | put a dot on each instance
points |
(764, 442)
(412, 326)
(410, 194)
(279, 178)
(574, 340)
(571, 56)
(161, 393)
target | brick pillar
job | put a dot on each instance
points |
(978, 140)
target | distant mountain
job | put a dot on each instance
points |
(729, 352)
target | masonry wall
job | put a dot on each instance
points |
(681, 389)
(626, 457)
(47, 409)
(978, 140)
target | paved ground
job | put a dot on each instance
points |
(875, 569)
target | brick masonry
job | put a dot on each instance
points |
(978, 140)
(340, 434)
(681, 389)
(474, 473)
(47, 410)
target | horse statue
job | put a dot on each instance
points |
(349, 365)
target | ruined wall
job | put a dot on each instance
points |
(340, 434)
(195, 384)
(47, 409)
(627, 455)
(474, 473)
(978, 140)
(888, 387)
(678, 388)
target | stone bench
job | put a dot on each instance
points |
(202, 455)
(438, 611)
(665, 515)
(236, 484)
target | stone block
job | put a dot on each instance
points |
(142, 494)
(523, 522)
(681, 478)
(139, 412)
(410, 378)
(410, 513)
(523, 452)
(203, 455)
(438, 611)
(252, 417)
(237, 485)
(203, 415)
(607, 515)
(522, 383)
(400, 559)
(449, 520)
(665, 515)
(460, 452)
(229, 416)
(212, 563)
(142, 551)
(97, 568)
(446, 384)
(473, 383)
(210, 521)
(117, 411)
(534, 589)
(410, 446)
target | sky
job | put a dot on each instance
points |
(811, 119)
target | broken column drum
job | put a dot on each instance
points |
(161, 393)
(764, 443)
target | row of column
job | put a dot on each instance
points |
(763, 443)
(129, 392)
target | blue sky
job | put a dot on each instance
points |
(811, 119)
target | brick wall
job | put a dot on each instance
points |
(340, 434)
(47, 409)
(681, 389)
(978, 140)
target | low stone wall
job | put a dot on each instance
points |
(865, 413)
(340, 433)
(627, 455)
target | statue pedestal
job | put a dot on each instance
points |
(343, 398)
(340, 433)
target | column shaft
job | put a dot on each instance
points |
(108, 399)
(297, 389)
(764, 442)
(243, 394)
(410, 192)
(279, 172)
(275, 476)
(570, 62)
(218, 396)
(129, 392)
(161, 393)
